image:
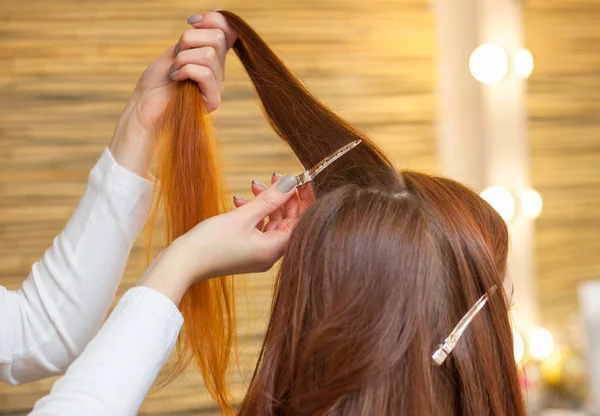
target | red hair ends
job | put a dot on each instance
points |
(188, 190)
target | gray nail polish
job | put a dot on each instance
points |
(287, 184)
(194, 19)
(259, 184)
(176, 50)
(277, 175)
(239, 198)
(173, 74)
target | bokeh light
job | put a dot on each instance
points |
(488, 64)
(501, 200)
(541, 343)
(531, 203)
(519, 347)
(523, 63)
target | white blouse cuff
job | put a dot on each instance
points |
(107, 169)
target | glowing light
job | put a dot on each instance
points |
(523, 63)
(519, 346)
(488, 64)
(531, 203)
(541, 343)
(501, 200)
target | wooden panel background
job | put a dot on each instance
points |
(564, 111)
(68, 66)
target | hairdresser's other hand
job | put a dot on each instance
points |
(231, 243)
(199, 55)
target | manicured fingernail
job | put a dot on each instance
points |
(194, 19)
(259, 184)
(277, 175)
(239, 198)
(287, 184)
(173, 72)
(176, 50)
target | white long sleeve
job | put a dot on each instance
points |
(114, 373)
(47, 323)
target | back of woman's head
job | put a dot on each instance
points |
(377, 274)
(372, 282)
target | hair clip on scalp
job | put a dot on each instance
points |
(440, 355)
(310, 174)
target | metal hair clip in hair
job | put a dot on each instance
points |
(440, 355)
(310, 174)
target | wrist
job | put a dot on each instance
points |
(126, 154)
(171, 273)
(132, 146)
(187, 260)
(159, 277)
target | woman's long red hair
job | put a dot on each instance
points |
(189, 189)
(382, 266)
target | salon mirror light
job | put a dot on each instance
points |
(501, 200)
(523, 63)
(541, 344)
(531, 203)
(488, 64)
(519, 347)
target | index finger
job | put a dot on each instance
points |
(214, 20)
(269, 200)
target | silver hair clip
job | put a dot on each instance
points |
(440, 355)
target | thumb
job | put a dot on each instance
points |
(271, 199)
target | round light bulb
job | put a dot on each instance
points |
(541, 343)
(523, 63)
(501, 200)
(488, 64)
(531, 203)
(519, 346)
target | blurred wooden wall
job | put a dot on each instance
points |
(67, 68)
(564, 132)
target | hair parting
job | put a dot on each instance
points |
(377, 273)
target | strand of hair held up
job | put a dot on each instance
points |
(189, 190)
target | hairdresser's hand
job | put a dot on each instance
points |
(232, 243)
(199, 55)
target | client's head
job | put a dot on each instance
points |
(377, 274)
(371, 284)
